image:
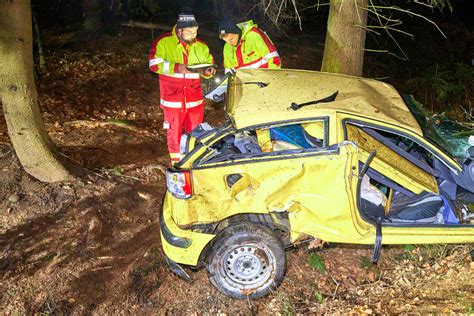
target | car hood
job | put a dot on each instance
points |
(260, 96)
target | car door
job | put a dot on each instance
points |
(404, 171)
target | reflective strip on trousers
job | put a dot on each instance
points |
(178, 105)
(175, 157)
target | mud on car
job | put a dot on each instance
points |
(308, 155)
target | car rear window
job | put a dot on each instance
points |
(270, 140)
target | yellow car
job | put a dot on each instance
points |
(307, 155)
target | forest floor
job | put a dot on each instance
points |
(93, 245)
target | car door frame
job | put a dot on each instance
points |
(419, 233)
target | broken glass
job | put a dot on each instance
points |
(450, 135)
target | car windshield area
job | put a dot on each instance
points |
(274, 140)
(449, 136)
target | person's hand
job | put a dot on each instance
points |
(182, 69)
(209, 71)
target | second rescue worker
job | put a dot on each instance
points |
(180, 88)
(247, 46)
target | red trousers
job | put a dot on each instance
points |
(177, 120)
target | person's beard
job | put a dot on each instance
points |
(189, 41)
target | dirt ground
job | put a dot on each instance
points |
(92, 245)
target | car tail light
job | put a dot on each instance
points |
(179, 183)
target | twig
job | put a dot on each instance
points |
(101, 268)
(468, 114)
(5, 251)
(131, 177)
(337, 286)
(6, 153)
(94, 124)
(408, 12)
(297, 14)
(388, 33)
(77, 162)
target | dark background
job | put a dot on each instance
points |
(437, 70)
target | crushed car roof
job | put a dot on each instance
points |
(261, 96)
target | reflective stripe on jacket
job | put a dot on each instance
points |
(178, 90)
(254, 50)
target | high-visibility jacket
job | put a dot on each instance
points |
(177, 90)
(254, 50)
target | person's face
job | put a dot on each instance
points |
(189, 34)
(231, 39)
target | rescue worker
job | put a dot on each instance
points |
(247, 46)
(180, 89)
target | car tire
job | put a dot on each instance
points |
(246, 260)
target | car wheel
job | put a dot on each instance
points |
(246, 260)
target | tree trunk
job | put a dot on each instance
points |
(39, 46)
(345, 37)
(30, 140)
(92, 17)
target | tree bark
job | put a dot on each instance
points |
(345, 37)
(34, 149)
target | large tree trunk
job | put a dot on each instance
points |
(345, 37)
(32, 145)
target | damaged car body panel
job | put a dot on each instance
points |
(279, 184)
(308, 154)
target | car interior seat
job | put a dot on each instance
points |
(420, 208)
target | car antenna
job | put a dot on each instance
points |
(294, 106)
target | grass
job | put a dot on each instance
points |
(287, 307)
(408, 248)
(365, 262)
(317, 262)
(319, 297)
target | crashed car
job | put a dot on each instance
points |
(308, 155)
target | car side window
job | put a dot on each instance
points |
(270, 141)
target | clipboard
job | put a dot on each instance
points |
(199, 66)
(216, 93)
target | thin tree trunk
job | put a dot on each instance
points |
(345, 37)
(39, 45)
(92, 16)
(30, 140)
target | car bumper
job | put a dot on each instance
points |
(181, 246)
